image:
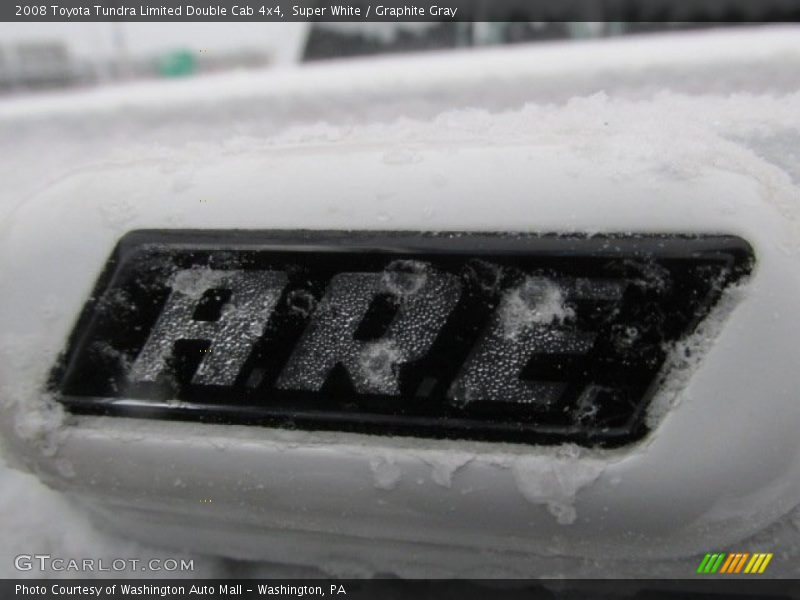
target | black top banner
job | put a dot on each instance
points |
(642, 11)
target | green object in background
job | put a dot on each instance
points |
(178, 63)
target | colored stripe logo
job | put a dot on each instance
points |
(735, 563)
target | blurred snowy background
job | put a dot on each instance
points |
(39, 56)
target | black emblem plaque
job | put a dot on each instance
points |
(507, 337)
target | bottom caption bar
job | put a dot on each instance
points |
(244, 589)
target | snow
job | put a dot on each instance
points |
(242, 320)
(443, 469)
(301, 302)
(385, 472)
(72, 534)
(537, 301)
(194, 282)
(160, 118)
(423, 299)
(685, 356)
(556, 482)
(379, 361)
(404, 278)
(659, 114)
(37, 520)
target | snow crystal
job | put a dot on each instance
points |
(555, 482)
(405, 277)
(444, 467)
(33, 415)
(379, 361)
(386, 474)
(196, 281)
(40, 423)
(651, 276)
(111, 355)
(486, 275)
(301, 302)
(625, 336)
(537, 301)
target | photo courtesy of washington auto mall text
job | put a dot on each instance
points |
(123, 590)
